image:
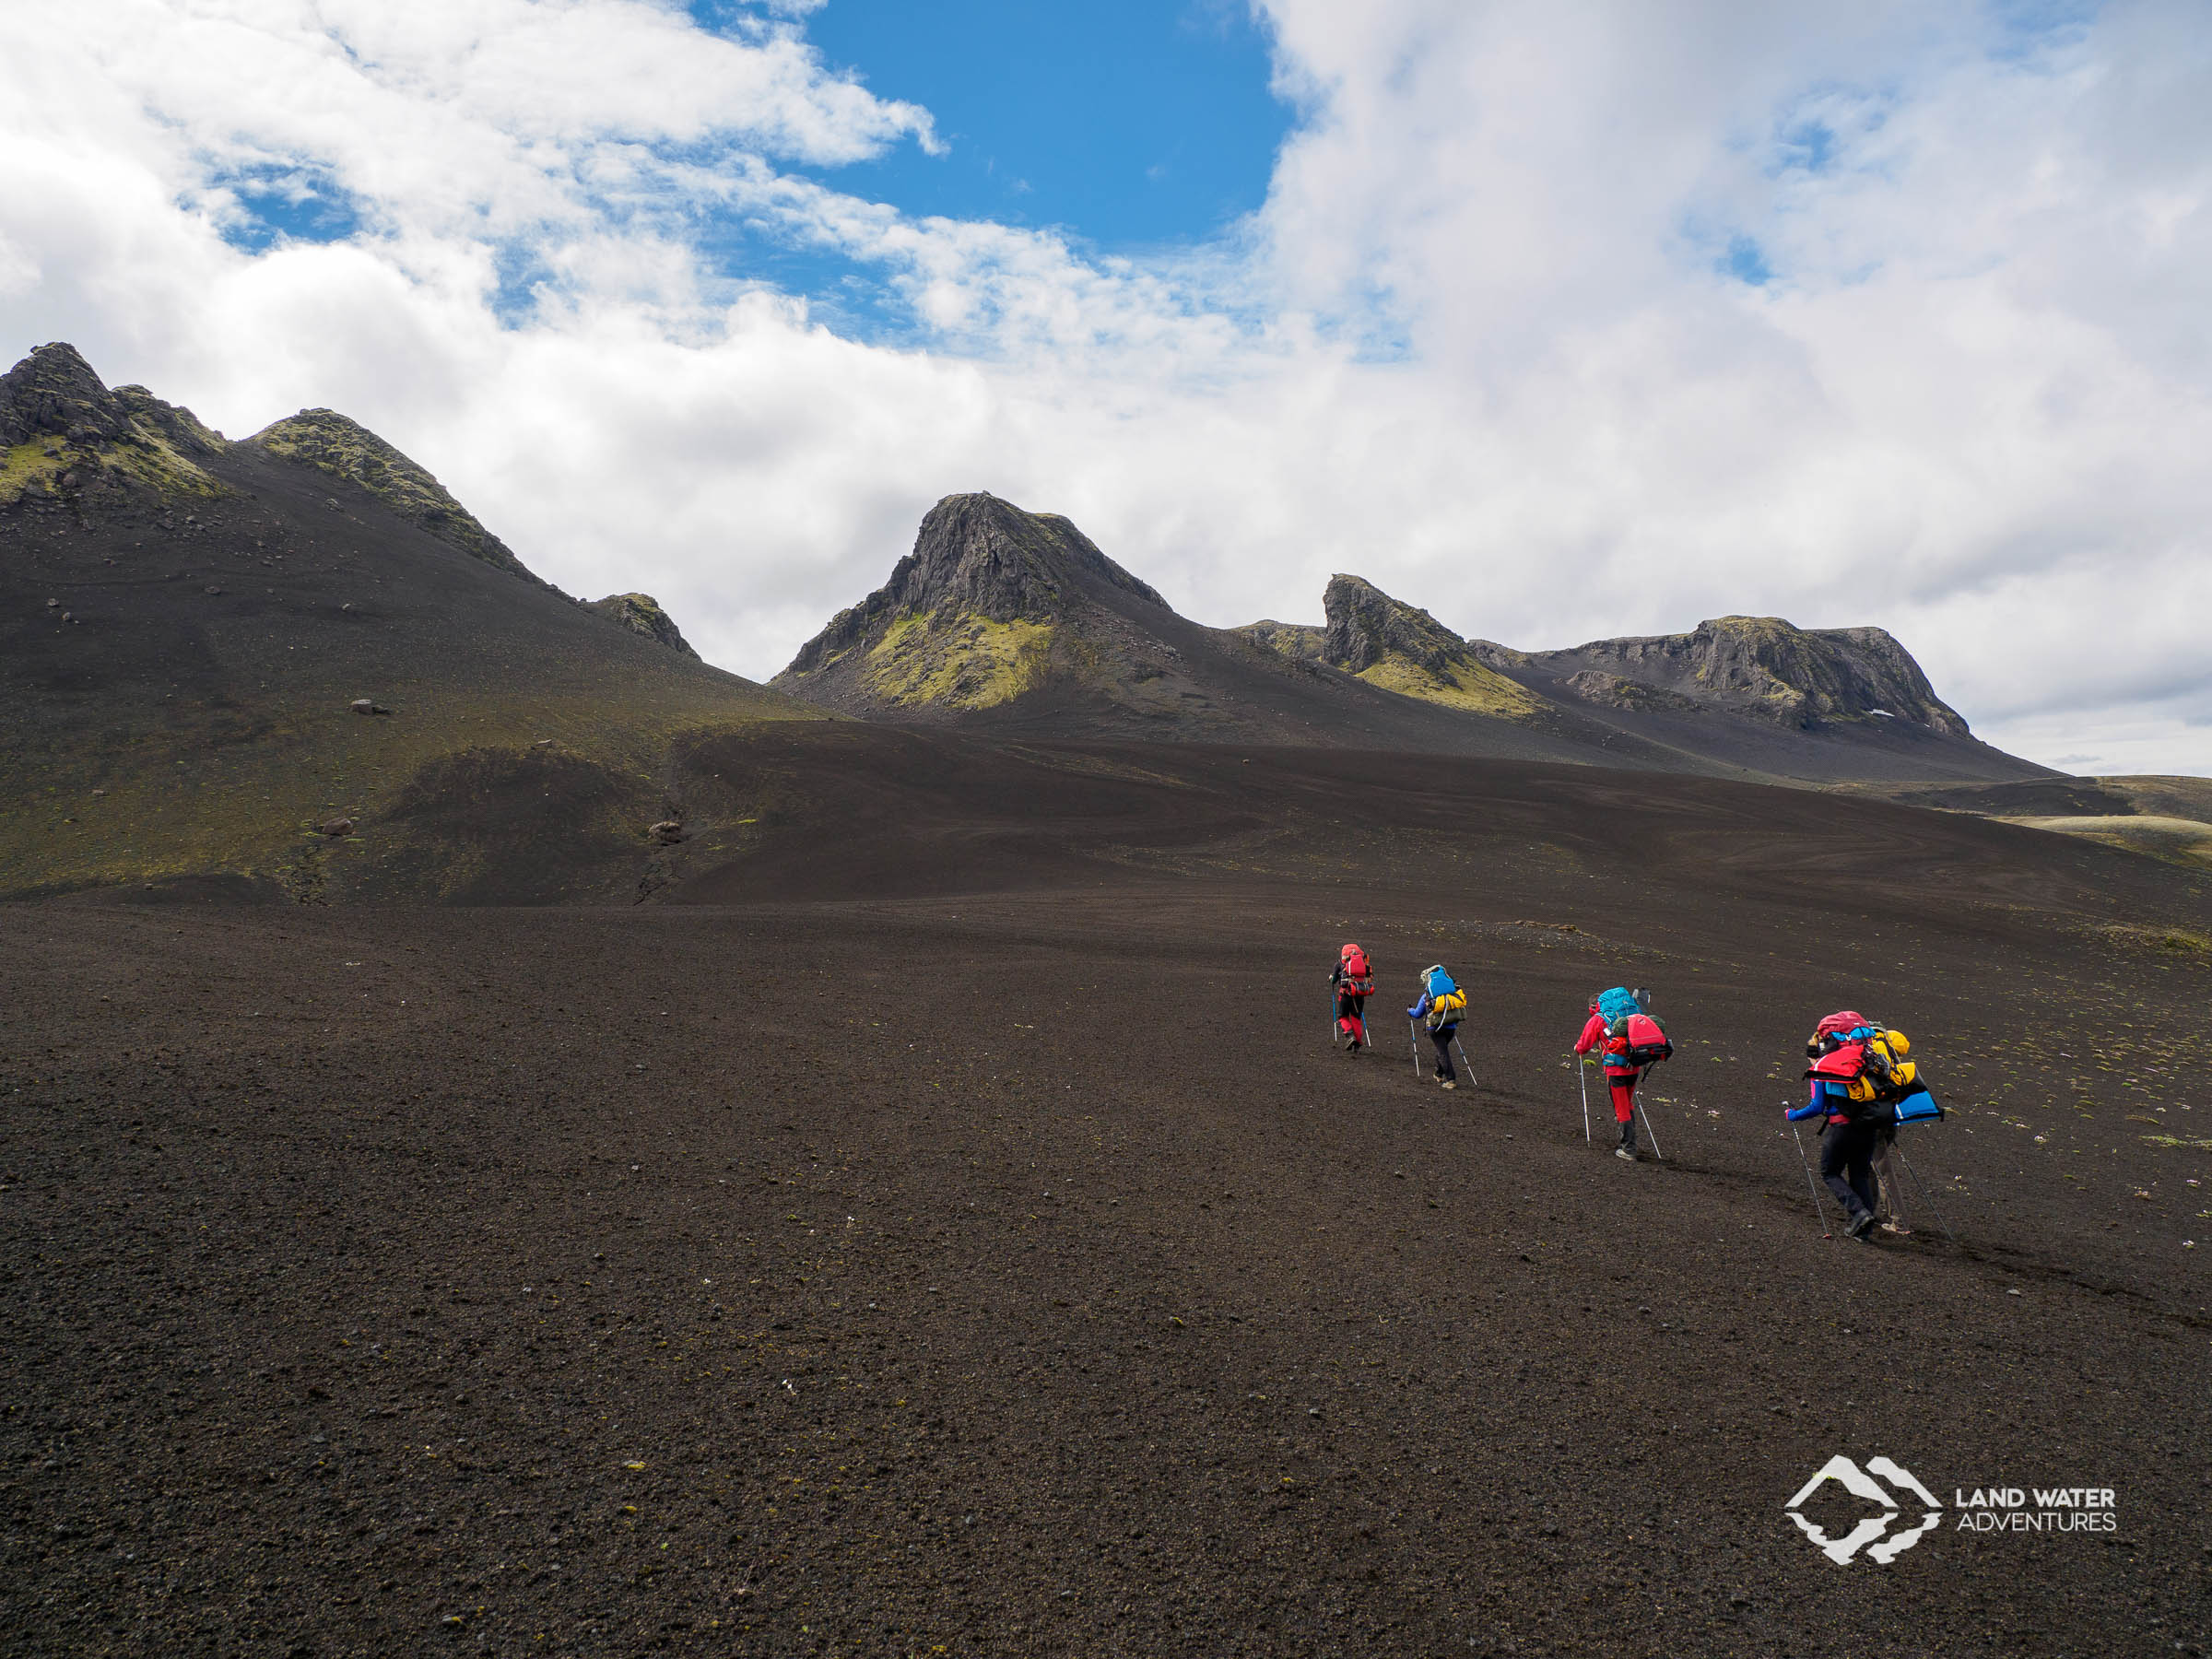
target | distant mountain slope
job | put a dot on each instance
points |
(1014, 620)
(186, 624)
(1757, 666)
(1819, 704)
(2167, 817)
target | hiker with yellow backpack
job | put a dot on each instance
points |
(1441, 1007)
(1864, 1085)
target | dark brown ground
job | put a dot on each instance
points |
(1021, 1272)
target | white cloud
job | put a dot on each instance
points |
(1480, 345)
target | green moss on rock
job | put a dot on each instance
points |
(331, 442)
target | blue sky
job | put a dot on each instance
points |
(1131, 124)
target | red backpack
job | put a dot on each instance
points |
(1645, 1039)
(1359, 976)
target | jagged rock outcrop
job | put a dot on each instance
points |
(1595, 685)
(641, 614)
(1399, 648)
(1763, 668)
(1299, 641)
(65, 434)
(344, 448)
(971, 618)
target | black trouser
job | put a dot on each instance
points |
(1847, 1165)
(1442, 1037)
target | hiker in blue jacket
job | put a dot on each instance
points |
(1846, 1151)
(1441, 1007)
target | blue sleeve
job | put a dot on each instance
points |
(1419, 1009)
(1812, 1108)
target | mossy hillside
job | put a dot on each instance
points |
(57, 468)
(2177, 840)
(242, 789)
(957, 660)
(1464, 684)
(1400, 648)
(34, 468)
(333, 443)
(1299, 641)
(2177, 797)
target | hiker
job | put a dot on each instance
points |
(1628, 1038)
(1441, 1007)
(1858, 1072)
(1353, 979)
(1846, 1152)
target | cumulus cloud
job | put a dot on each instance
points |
(1558, 320)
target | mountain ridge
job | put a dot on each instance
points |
(1015, 619)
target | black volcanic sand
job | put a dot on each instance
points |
(1025, 1273)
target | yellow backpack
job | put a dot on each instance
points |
(1887, 1074)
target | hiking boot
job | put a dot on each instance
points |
(1899, 1227)
(1626, 1151)
(1862, 1224)
(1451, 1083)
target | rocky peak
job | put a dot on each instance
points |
(63, 433)
(1366, 624)
(977, 558)
(641, 614)
(333, 443)
(1768, 668)
(1401, 648)
(53, 392)
(987, 558)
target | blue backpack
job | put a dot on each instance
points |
(1919, 1107)
(1441, 984)
(1618, 1004)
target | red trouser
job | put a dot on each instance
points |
(1623, 1085)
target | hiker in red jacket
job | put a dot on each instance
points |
(1620, 1077)
(1613, 1040)
(1353, 979)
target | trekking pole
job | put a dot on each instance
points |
(1413, 1036)
(1472, 1082)
(1819, 1208)
(1897, 1152)
(1582, 1069)
(1636, 1095)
